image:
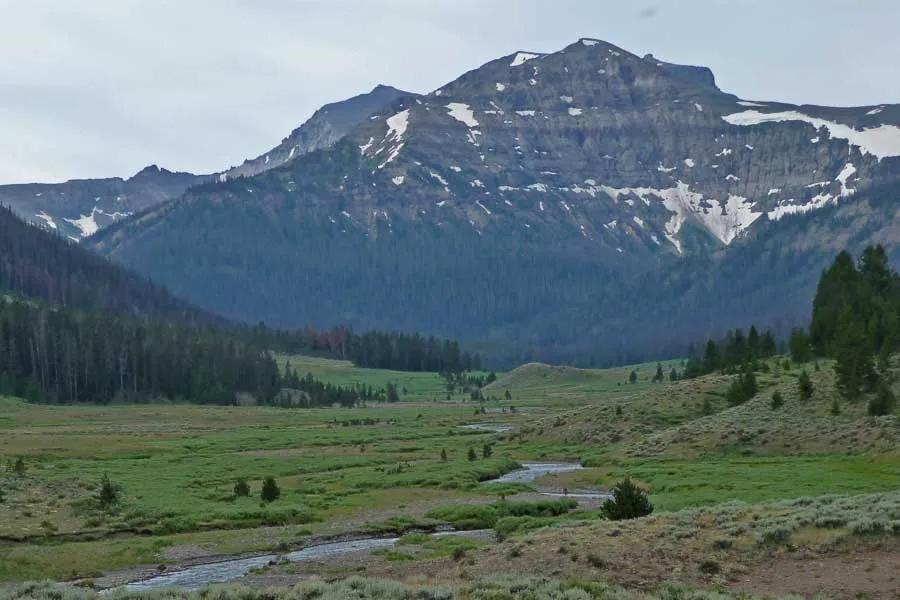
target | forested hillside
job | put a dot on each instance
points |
(40, 265)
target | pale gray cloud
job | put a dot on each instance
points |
(103, 87)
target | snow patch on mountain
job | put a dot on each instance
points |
(843, 176)
(462, 113)
(521, 58)
(47, 218)
(786, 207)
(881, 141)
(723, 220)
(87, 224)
(397, 126)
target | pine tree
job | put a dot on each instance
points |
(19, 468)
(659, 373)
(443, 455)
(486, 451)
(854, 362)
(633, 377)
(805, 385)
(109, 494)
(241, 488)
(628, 502)
(712, 359)
(777, 400)
(800, 346)
(754, 349)
(270, 491)
(472, 455)
(883, 403)
(673, 375)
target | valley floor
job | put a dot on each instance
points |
(800, 499)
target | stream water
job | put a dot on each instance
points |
(531, 471)
(496, 428)
(198, 576)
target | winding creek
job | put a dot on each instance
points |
(533, 470)
(198, 576)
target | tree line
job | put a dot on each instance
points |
(856, 321)
(731, 353)
(60, 355)
(373, 349)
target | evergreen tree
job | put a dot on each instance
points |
(109, 494)
(854, 362)
(633, 377)
(800, 346)
(768, 346)
(712, 359)
(270, 491)
(754, 343)
(628, 502)
(19, 468)
(659, 373)
(486, 451)
(743, 387)
(777, 400)
(443, 455)
(472, 455)
(673, 375)
(883, 403)
(241, 488)
(805, 386)
(391, 393)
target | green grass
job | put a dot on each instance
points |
(678, 484)
(417, 386)
(379, 468)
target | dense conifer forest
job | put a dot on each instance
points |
(855, 321)
(40, 265)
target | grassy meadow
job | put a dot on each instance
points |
(380, 468)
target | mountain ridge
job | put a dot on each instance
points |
(577, 178)
(78, 208)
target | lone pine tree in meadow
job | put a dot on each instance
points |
(241, 488)
(270, 491)
(628, 502)
(659, 373)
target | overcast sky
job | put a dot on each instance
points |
(98, 88)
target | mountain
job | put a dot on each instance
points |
(588, 205)
(37, 265)
(327, 125)
(79, 208)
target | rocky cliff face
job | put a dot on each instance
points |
(79, 208)
(585, 204)
(329, 124)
